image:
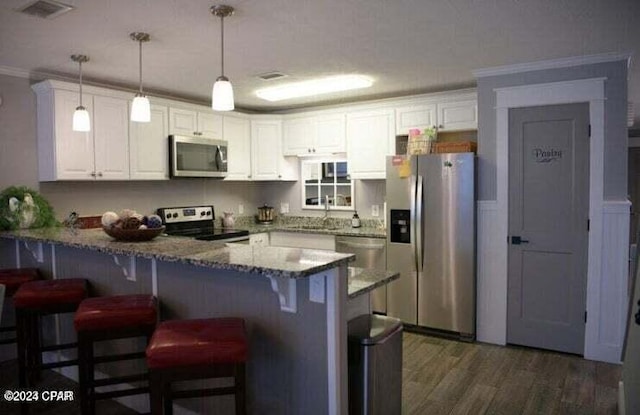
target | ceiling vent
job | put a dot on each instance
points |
(271, 76)
(45, 9)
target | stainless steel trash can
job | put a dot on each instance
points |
(375, 365)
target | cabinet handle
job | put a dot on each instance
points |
(249, 176)
(100, 174)
(279, 176)
(93, 174)
(308, 150)
(441, 126)
(314, 150)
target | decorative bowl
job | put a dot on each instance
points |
(132, 235)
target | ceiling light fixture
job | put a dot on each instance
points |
(81, 121)
(222, 93)
(140, 108)
(314, 87)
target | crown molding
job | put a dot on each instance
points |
(553, 64)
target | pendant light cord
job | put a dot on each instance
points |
(140, 43)
(80, 63)
(222, 41)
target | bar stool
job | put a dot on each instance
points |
(196, 349)
(33, 300)
(110, 318)
(12, 279)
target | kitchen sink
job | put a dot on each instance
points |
(314, 227)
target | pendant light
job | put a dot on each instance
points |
(222, 93)
(140, 108)
(81, 121)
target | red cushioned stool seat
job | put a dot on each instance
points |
(13, 278)
(197, 349)
(110, 318)
(197, 342)
(33, 300)
(104, 313)
(50, 293)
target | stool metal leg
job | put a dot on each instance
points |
(155, 392)
(21, 340)
(82, 372)
(240, 386)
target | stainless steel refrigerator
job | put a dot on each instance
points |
(431, 241)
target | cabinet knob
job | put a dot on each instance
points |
(440, 126)
(308, 150)
(314, 150)
(249, 176)
(93, 174)
(100, 174)
(279, 176)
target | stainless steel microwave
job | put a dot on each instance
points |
(197, 157)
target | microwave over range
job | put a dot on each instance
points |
(197, 157)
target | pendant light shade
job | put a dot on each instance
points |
(81, 120)
(222, 92)
(222, 95)
(140, 108)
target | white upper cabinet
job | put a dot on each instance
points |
(458, 115)
(299, 136)
(64, 154)
(331, 134)
(316, 135)
(193, 122)
(370, 138)
(237, 133)
(415, 116)
(267, 161)
(148, 146)
(111, 138)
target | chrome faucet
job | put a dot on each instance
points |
(326, 210)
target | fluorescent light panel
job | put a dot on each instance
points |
(314, 87)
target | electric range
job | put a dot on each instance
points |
(198, 222)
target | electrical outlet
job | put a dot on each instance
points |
(240, 209)
(375, 211)
(284, 207)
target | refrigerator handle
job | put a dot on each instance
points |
(418, 224)
(412, 218)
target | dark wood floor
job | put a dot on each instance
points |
(448, 377)
(442, 377)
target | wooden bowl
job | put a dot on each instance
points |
(133, 235)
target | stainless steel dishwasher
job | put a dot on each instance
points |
(370, 253)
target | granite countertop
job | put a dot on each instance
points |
(362, 280)
(275, 261)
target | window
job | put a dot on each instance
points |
(326, 180)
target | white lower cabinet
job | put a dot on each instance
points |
(63, 154)
(259, 239)
(370, 138)
(148, 146)
(237, 133)
(303, 240)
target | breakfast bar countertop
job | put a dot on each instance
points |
(271, 260)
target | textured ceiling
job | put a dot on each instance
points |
(407, 46)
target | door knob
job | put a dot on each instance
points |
(517, 240)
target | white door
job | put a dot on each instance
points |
(370, 136)
(266, 137)
(149, 146)
(210, 125)
(237, 132)
(74, 150)
(111, 138)
(331, 135)
(299, 136)
(548, 226)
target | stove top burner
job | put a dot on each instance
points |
(223, 234)
(197, 222)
